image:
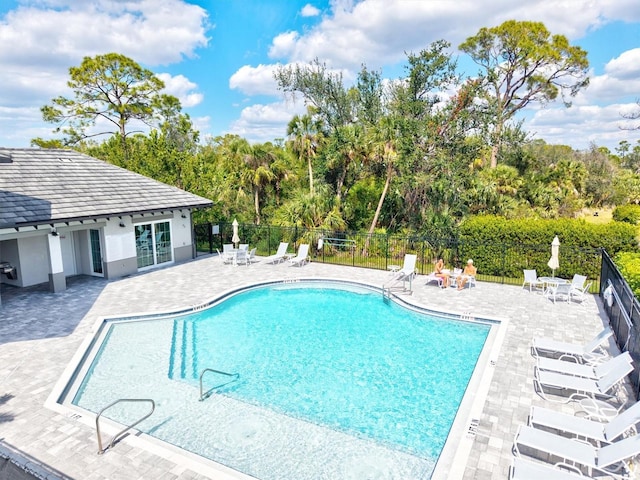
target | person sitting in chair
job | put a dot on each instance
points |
(439, 271)
(469, 271)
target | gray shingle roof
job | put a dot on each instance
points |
(39, 186)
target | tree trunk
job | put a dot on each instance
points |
(497, 140)
(310, 172)
(376, 215)
(256, 202)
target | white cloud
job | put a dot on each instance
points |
(309, 11)
(255, 80)
(378, 32)
(283, 45)
(626, 66)
(182, 88)
(582, 125)
(262, 123)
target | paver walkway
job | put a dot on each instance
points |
(40, 332)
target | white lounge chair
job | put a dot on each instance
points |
(583, 428)
(531, 278)
(549, 347)
(432, 277)
(608, 460)
(279, 255)
(302, 257)
(522, 469)
(580, 386)
(594, 371)
(408, 270)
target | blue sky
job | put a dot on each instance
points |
(218, 56)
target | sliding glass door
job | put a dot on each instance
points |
(153, 243)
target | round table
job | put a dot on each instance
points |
(551, 281)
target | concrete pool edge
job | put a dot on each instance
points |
(469, 408)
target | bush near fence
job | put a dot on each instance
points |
(629, 265)
(528, 243)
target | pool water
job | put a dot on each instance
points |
(321, 366)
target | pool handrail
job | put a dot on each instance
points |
(204, 396)
(129, 427)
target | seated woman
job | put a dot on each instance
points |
(469, 271)
(439, 271)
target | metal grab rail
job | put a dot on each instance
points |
(204, 396)
(117, 435)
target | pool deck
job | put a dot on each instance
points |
(40, 333)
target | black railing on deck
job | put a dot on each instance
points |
(623, 310)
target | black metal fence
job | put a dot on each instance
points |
(623, 309)
(500, 263)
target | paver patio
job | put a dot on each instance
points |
(40, 332)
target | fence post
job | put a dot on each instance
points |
(386, 252)
(210, 236)
(504, 259)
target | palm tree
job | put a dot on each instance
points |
(306, 134)
(385, 136)
(258, 174)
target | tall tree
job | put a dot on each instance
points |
(306, 134)
(113, 88)
(258, 174)
(321, 88)
(522, 63)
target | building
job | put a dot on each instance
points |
(63, 213)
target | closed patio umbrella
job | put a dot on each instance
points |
(554, 261)
(236, 238)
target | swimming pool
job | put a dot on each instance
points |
(333, 381)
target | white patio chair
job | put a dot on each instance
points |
(583, 428)
(302, 257)
(531, 278)
(228, 254)
(579, 294)
(251, 256)
(557, 291)
(578, 281)
(608, 460)
(543, 346)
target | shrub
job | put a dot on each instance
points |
(627, 213)
(506, 247)
(629, 265)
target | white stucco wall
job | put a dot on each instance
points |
(119, 242)
(181, 230)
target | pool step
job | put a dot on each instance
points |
(182, 349)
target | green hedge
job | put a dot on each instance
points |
(627, 213)
(502, 246)
(629, 265)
